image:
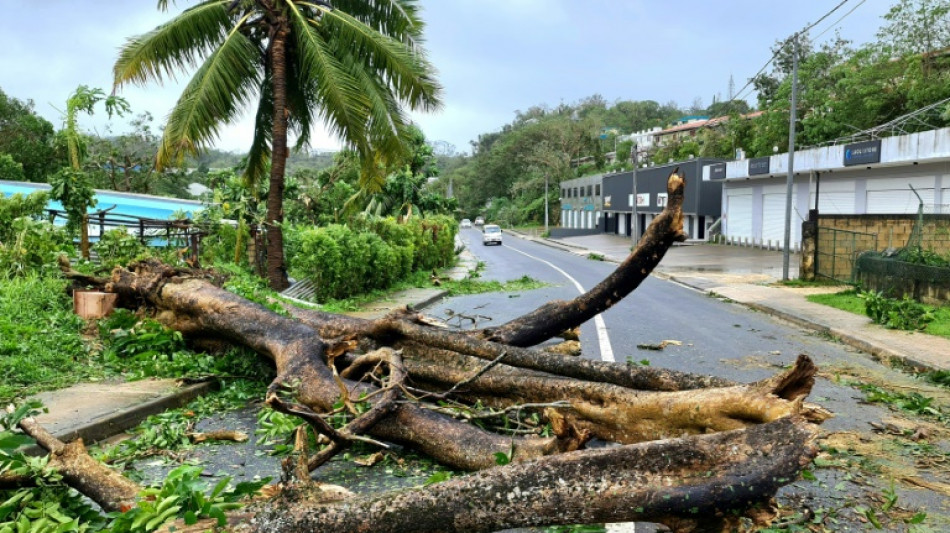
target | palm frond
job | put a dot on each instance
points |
(220, 89)
(333, 88)
(175, 46)
(404, 68)
(259, 155)
(398, 19)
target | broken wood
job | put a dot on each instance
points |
(697, 451)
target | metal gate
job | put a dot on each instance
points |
(837, 251)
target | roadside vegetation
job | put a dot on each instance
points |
(895, 313)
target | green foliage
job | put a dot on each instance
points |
(10, 169)
(923, 256)
(913, 402)
(40, 343)
(276, 429)
(140, 348)
(343, 262)
(905, 313)
(73, 189)
(31, 246)
(118, 247)
(16, 206)
(474, 286)
(183, 494)
(169, 430)
(27, 139)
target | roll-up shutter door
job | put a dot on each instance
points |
(739, 215)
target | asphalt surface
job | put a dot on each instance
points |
(718, 337)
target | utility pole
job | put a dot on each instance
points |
(634, 230)
(545, 204)
(792, 119)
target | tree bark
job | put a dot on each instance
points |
(276, 269)
(696, 451)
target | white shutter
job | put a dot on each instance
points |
(835, 203)
(773, 218)
(897, 201)
(739, 215)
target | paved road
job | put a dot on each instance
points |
(717, 337)
(731, 341)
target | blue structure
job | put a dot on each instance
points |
(129, 204)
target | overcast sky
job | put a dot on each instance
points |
(493, 57)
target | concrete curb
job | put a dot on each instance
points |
(116, 422)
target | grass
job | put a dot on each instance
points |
(850, 301)
(846, 301)
(41, 345)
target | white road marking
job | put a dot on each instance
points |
(606, 350)
(606, 354)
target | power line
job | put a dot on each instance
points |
(781, 48)
(835, 23)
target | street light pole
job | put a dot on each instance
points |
(792, 118)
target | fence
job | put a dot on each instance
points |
(150, 232)
(839, 239)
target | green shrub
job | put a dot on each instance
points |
(375, 254)
(16, 206)
(905, 314)
(118, 247)
(31, 246)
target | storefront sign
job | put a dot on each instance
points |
(643, 200)
(607, 201)
(717, 171)
(863, 153)
(661, 199)
(759, 165)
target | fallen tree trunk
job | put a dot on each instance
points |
(708, 448)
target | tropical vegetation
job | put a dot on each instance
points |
(354, 65)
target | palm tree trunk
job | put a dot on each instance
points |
(276, 270)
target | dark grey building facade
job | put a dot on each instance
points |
(702, 203)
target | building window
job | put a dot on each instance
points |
(590, 190)
(597, 190)
(575, 192)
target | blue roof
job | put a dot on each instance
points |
(138, 205)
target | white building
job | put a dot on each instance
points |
(870, 177)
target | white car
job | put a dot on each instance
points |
(465, 223)
(479, 221)
(492, 235)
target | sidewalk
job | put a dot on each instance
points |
(747, 276)
(97, 411)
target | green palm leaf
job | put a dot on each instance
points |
(176, 46)
(218, 92)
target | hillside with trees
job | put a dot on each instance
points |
(842, 90)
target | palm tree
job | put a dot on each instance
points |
(354, 64)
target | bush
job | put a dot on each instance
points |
(344, 262)
(906, 313)
(31, 246)
(32, 206)
(118, 247)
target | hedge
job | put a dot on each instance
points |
(344, 261)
